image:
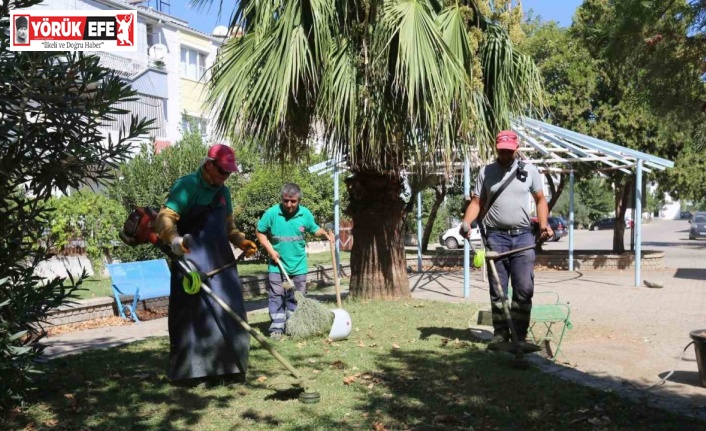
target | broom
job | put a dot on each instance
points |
(311, 318)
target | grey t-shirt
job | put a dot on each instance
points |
(511, 208)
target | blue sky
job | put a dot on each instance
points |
(558, 10)
(206, 20)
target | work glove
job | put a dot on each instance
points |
(248, 247)
(464, 229)
(178, 247)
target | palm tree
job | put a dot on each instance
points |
(394, 84)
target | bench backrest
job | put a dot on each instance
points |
(151, 277)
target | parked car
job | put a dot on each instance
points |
(609, 223)
(685, 214)
(558, 225)
(452, 237)
(698, 226)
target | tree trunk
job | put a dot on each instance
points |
(622, 195)
(556, 191)
(440, 193)
(378, 263)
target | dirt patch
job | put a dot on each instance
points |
(104, 322)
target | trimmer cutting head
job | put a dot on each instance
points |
(307, 397)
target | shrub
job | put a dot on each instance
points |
(87, 216)
(51, 108)
(145, 180)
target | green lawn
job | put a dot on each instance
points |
(96, 287)
(407, 365)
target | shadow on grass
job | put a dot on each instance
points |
(448, 333)
(478, 389)
(123, 384)
(437, 381)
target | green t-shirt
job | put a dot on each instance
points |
(287, 237)
(193, 189)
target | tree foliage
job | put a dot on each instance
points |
(146, 179)
(570, 75)
(592, 201)
(627, 72)
(633, 104)
(434, 221)
(51, 109)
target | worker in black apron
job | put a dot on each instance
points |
(204, 340)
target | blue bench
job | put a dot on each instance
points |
(142, 280)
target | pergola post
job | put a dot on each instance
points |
(467, 242)
(638, 222)
(336, 217)
(419, 231)
(571, 219)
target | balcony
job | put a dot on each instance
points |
(127, 67)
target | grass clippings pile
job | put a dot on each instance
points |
(310, 319)
(143, 315)
(408, 365)
(88, 324)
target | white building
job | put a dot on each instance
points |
(168, 70)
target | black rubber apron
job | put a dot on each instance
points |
(204, 340)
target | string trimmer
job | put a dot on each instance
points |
(515, 346)
(138, 229)
(196, 280)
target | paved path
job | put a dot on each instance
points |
(623, 337)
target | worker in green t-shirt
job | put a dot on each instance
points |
(281, 230)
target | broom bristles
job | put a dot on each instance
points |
(310, 319)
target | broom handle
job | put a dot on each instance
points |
(281, 268)
(335, 274)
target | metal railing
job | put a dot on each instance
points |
(127, 67)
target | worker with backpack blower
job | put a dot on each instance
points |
(500, 203)
(204, 340)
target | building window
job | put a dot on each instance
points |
(151, 35)
(193, 63)
(192, 123)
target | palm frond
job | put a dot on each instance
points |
(338, 97)
(512, 81)
(395, 83)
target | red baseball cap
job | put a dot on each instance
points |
(224, 157)
(507, 140)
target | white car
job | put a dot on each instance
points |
(452, 239)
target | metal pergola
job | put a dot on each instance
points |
(551, 149)
(557, 150)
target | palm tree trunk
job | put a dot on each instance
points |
(378, 263)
